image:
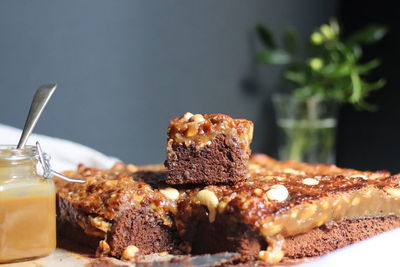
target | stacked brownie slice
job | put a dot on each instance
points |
(208, 149)
(213, 197)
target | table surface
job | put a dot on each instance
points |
(69, 254)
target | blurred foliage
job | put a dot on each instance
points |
(333, 67)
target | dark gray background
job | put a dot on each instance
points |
(124, 68)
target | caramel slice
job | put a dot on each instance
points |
(208, 149)
(283, 199)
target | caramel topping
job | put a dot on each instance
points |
(107, 192)
(272, 190)
(27, 219)
(201, 129)
(274, 252)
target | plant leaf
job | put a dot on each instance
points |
(290, 40)
(364, 68)
(373, 86)
(357, 51)
(336, 70)
(276, 57)
(362, 105)
(357, 88)
(334, 24)
(265, 36)
(368, 35)
(295, 77)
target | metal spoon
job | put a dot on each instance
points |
(39, 102)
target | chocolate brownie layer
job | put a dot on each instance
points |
(143, 229)
(213, 164)
(135, 226)
(225, 234)
(207, 149)
(220, 236)
(334, 235)
(66, 231)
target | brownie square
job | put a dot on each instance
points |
(116, 212)
(208, 149)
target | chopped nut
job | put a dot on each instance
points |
(209, 199)
(221, 206)
(170, 193)
(81, 168)
(253, 167)
(269, 257)
(191, 131)
(100, 223)
(293, 171)
(87, 172)
(278, 192)
(92, 231)
(111, 183)
(131, 168)
(197, 118)
(310, 181)
(162, 254)
(258, 191)
(362, 176)
(129, 252)
(279, 178)
(118, 166)
(274, 252)
(169, 145)
(374, 176)
(187, 116)
(395, 192)
(103, 249)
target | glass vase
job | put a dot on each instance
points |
(307, 128)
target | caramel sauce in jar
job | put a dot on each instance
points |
(27, 207)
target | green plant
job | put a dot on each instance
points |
(333, 67)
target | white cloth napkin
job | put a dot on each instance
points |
(65, 155)
(380, 250)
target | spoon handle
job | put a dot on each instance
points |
(66, 178)
(39, 102)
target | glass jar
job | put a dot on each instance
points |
(27, 206)
(307, 128)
